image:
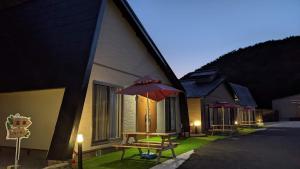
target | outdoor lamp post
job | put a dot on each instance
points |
(260, 123)
(197, 124)
(79, 142)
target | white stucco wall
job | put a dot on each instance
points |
(121, 58)
(41, 105)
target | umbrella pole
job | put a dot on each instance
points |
(147, 116)
(229, 121)
(147, 124)
(223, 118)
(249, 121)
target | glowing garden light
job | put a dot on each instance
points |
(79, 142)
(79, 138)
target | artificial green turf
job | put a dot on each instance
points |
(133, 161)
(245, 131)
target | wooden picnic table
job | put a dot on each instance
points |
(165, 144)
(248, 123)
(222, 128)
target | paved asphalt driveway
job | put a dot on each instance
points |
(274, 148)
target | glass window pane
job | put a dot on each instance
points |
(167, 114)
(100, 112)
(170, 110)
(173, 113)
(115, 113)
(107, 108)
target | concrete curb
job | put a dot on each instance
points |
(64, 165)
(174, 163)
(261, 129)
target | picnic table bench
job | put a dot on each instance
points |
(248, 123)
(222, 128)
(165, 144)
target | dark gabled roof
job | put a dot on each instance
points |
(244, 95)
(203, 73)
(195, 89)
(203, 76)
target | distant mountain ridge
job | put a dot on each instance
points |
(270, 69)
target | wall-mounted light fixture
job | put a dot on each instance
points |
(260, 122)
(197, 123)
(236, 122)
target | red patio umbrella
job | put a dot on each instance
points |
(151, 89)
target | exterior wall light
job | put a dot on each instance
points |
(197, 123)
(260, 123)
(236, 122)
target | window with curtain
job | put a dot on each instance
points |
(210, 116)
(170, 110)
(107, 108)
(215, 116)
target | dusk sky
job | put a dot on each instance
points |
(191, 33)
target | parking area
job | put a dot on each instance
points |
(278, 147)
(284, 124)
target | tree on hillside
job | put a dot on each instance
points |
(270, 69)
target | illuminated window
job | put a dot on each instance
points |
(107, 108)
